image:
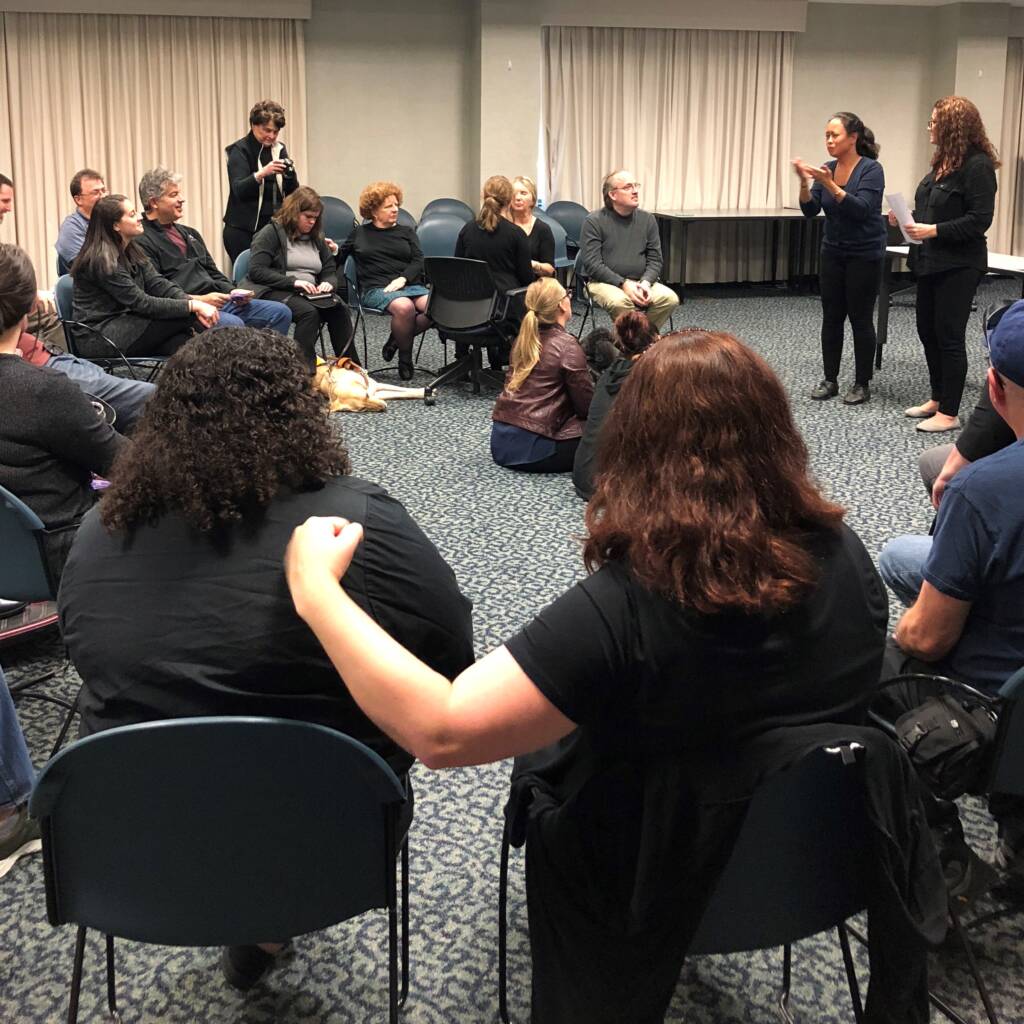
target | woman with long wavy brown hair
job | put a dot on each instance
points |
(953, 208)
(725, 597)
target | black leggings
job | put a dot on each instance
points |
(943, 308)
(849, 288)
(560, 461)
(236, 241)
(163, 337)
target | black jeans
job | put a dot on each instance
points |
(163, 337)
(236, 241)
(849, 288)
(943, 308)
(560, 461)
(306, 319)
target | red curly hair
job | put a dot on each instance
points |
(958, 129)
(702, 483)
(373, 196)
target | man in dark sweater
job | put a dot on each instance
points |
(180, 254)
(622, 254)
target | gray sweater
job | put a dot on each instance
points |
(616, 248)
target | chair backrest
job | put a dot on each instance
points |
(561, 249)
(448, 207)
(211, 831)
(339, 218)
(352, 279)
(241, 267)
(462, 293)
(438, 234)
(801, 863)
(24, 574)
(63, 296)
(1008, 764)
(570, 215)
(406, 218)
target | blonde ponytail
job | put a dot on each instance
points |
(542, 300)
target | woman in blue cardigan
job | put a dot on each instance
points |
(849, 189)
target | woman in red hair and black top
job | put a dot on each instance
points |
(953, 208)
(726, 598)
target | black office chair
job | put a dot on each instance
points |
(355, 301)
(339, 218)
(221, 831)
(438, 234)
(100, 350)
(580, 294)
(448, 208)
(25, 577)
(562, 260)
(467, 308)
(571, 216)
(802, 864)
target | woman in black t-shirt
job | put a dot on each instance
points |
(726, 598)
(542, 239)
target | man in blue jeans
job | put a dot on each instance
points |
(964, 586)
(180, 254)
(18, 834)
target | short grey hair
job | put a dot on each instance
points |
(154, 182)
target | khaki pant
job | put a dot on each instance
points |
(613, 299)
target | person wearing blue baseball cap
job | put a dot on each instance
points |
(964, 587)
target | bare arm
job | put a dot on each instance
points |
(492, 710)
(931, 626)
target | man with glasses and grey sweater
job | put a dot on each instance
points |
(622, 253)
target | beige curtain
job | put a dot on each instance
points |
(124, 94)
(702, 118)
(1007, 233)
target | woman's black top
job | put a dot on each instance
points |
(506, 250)
(382, 254)
(542, 242)
(961, 204)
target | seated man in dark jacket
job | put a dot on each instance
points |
(180, 254)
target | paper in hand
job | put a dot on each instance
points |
(903, 215)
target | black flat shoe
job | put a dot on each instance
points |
(826, 389)
(243, 966)
(405, 367)
(857, 395)
(387, 353)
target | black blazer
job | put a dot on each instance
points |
(961, 204)
(195, 272)
(245, 203)
(268, 263)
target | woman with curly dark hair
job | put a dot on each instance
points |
(389, 263)
(953, 208)
(173, 603)
(726, 598)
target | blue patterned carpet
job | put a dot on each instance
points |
(512, 541)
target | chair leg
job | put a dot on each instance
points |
(787, 965)
(972, 964)
(405, 922)
(851, 974)
(392, 954)
(503, 928)
(76, 975)
(68, 719)
(111, 985)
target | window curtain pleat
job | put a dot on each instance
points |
(1008, 228)
(123, 94)
(702, 117)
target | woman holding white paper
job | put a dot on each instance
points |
(849, 189)
(953, 208)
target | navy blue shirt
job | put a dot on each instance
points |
(978, 555)
(853, 227)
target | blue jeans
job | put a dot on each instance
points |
(16, 772)
(126, 396)
(901, 563)
(256, 313)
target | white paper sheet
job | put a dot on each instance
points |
(903, 215)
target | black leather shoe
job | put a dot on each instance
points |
(387, 353)
(858, 394)
(826, 389)
(243, 966)
(405, 367)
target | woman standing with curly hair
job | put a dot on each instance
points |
(726, 598)
(389, 263)
(953, 209)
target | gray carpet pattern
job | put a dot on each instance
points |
(513, 543)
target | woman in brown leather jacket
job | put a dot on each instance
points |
(539, 417)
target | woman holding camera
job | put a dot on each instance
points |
(260, 175)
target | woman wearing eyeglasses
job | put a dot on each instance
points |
(953, 209)
(538, 419)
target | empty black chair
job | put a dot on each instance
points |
(448, 208)
(339, 218)
(438, 234)
(220, 831)
(571, 216)
(467, 308)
